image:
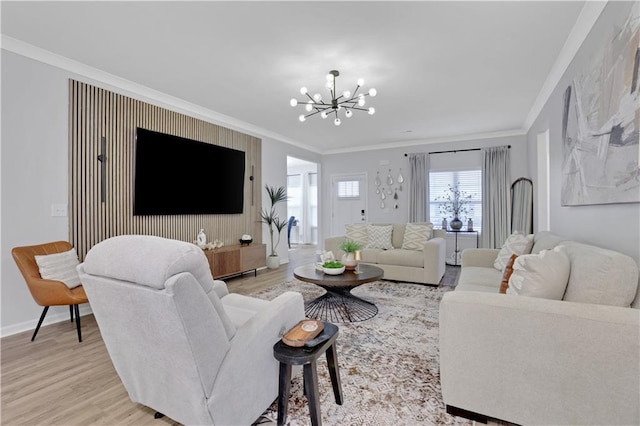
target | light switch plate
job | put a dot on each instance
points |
(59, 210)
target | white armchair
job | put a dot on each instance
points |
(181, 344)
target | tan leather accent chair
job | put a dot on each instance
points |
(48, 292)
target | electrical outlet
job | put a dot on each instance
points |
(59, 210)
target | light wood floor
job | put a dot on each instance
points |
(57, 381)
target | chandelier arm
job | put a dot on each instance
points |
(309, 96)
(359, 109)
(317, 111)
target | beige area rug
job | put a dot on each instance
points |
(389, 365)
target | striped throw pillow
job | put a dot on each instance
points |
(416, 236)
(380, 236)
(60, 267)
(358, 232)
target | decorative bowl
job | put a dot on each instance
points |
(333, 271)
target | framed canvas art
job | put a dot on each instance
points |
(600, 122)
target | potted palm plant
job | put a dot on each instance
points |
(273, 221)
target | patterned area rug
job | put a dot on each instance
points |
(388, 365)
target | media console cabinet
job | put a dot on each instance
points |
(236, 259)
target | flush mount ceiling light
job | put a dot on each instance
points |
(347, 101)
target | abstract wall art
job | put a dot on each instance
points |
(600, 123)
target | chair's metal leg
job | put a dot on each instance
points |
(44, 313)
(158, 415)
(71, 312)
(77, 309)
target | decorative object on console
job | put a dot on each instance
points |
(455, 203)
(349, 258)
(456, 223)
(201, 239)
(246, 239)
(346, 100)
(470, 225)
(444, 223)
(273, 221)
(215, 244)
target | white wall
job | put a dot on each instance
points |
(393, 158)
(274, 173)
(35, 169)
(614, 226)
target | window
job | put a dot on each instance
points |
(348, 189)
(469, 181)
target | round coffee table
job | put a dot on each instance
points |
(338, 304)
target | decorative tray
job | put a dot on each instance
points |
(302, 332)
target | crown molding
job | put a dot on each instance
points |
(445, 139)
(586, 20)
(144, 93)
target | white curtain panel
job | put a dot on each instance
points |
(496, 194)
(418, 187)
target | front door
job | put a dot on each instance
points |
(348, 201)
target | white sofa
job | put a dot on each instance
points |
(529, 360)
(425, 267)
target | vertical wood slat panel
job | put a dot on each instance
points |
(94, 113)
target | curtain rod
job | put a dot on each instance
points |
(455, 150)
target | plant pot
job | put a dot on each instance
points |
(273, 262)
(456, 224)
(349, 261)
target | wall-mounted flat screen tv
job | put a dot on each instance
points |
(175, 175)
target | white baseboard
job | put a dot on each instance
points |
(51, 318)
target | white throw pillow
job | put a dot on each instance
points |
(416, 236)
(543, 275)
(60, 267)
(380, 236)
(518, 244)
(357, 232)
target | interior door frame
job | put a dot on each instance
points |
(363, 193)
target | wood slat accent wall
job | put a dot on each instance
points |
(95, 113)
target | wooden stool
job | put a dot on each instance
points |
(307, 357)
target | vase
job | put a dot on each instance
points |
(455, 223)
(349, 261)
(273, 262)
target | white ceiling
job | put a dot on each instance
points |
(441, 69)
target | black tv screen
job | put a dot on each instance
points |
(175, 175)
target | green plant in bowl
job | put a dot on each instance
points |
(332, 265)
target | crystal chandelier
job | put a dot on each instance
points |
(347, 101)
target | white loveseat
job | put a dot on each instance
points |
(530, 360)
(420, 266)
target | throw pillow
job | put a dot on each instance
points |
(357, 232)
(60, 267)
(543, 275)
(517, 243)
(380, 236)
(508, 270)
(416, 236)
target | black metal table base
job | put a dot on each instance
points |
(338, 305)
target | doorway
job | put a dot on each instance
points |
(348, 201)
(302, 203)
